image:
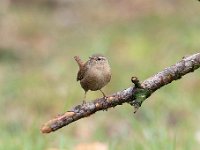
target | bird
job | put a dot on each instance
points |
(94, 74)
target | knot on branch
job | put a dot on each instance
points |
(136, 82)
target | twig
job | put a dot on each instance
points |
(134, 95)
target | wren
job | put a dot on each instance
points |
(93, 74)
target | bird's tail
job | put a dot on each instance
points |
(79, 61)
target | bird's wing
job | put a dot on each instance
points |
(81, 72)
(79, 75)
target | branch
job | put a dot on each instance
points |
(134, 95)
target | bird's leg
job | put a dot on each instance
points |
(84, 97)
(103, 93)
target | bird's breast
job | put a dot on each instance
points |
(97, 77)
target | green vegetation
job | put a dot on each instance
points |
(38, 73)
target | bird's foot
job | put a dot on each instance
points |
(105, 97)
(84, 102)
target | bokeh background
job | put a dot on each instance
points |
(38, 39)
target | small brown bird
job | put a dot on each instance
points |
(93, 74)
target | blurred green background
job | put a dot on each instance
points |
(38, 40)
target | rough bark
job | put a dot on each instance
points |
(134, 95)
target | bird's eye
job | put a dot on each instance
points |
(98, 59)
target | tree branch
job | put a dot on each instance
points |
(134, 95)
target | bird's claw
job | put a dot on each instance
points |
(84, 102)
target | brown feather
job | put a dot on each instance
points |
(81, 65)
(79, 61)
